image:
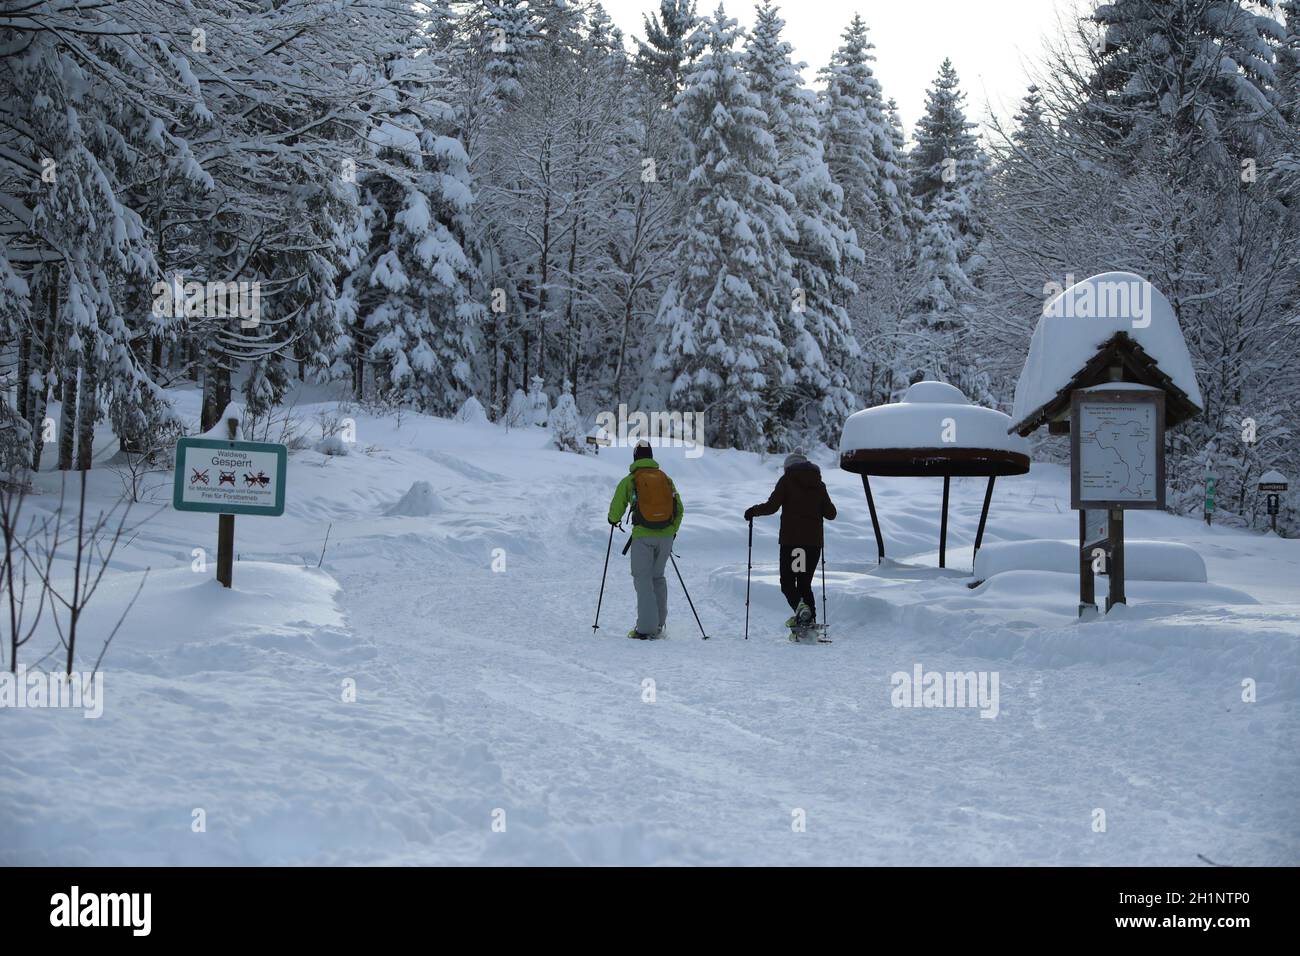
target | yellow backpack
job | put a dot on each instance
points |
(653, 503)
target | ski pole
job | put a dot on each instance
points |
(826, 618)
(749, 565)
(596, 626)
(687, 593)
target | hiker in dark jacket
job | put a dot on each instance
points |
(803, 501)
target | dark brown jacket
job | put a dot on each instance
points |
(803, 501)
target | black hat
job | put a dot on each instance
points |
(642, 450)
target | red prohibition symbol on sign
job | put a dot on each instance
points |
(198, 476)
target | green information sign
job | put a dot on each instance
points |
(229, 477)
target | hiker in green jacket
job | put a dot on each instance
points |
(656, 515)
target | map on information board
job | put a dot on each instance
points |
(1117, 451)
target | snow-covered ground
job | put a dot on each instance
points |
(491, 726)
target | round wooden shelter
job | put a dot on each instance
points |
(934, 432)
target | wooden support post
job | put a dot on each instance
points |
(943, 525)
(225, 549)
(984, 512)
(1116, 595)
(226, 528)
(875, 522)
(1087, 584)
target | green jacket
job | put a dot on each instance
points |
(623, 495)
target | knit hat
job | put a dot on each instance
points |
(795, 458)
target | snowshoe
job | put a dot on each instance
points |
(803, 615)
(636, 635)
(810, 634)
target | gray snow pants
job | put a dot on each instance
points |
(649, 557)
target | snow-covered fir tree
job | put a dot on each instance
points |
(858, 140)
(664, 55)
(863, 148)
(819, 339)
(416, 314)
(720, 349)
(948, 170)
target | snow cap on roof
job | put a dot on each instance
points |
(1077, 322)
(931, 415)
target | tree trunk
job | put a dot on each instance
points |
(526, 378)
(492, 365)
(622, 346)
(24, 374)
(216, 389)
(571, 348)
(40, 363)
(68, 415)
(87, 406)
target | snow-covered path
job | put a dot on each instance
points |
(741, 735)
(482, 689)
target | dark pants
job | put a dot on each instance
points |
(797, 585)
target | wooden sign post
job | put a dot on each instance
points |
(1117, 462)
(229, 477)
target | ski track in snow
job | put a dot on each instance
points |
(480, 691)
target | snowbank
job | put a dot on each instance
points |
(1143, 560)
(1082, 318)
(931, 415)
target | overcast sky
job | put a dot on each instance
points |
(992, 43)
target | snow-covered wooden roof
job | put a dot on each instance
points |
(1112, 318)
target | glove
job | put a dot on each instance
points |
(749, 514)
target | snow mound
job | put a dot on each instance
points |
(1076, 323)
(472, 412)
(1059, 592)
(221, 431)
(1143, 560)
(931, 415)
(934, 393)
(419, 501)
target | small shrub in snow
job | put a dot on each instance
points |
(566, 429)
(517, 413)
(332, 445)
